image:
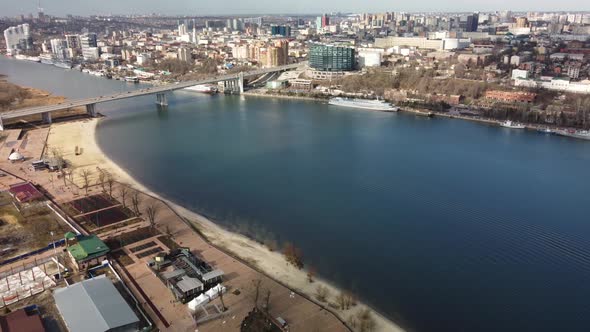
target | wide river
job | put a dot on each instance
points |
(442, 225)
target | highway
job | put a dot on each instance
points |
(136, 93)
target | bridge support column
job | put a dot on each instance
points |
(46, 116)
(91, 110)
(1, 124)
(241, 82)
(161, 99)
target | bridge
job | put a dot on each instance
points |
(232, 82)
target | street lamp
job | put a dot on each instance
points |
(56, 257)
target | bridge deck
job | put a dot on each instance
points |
(142, 92)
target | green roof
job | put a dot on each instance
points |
(88, 247)
(70, 235)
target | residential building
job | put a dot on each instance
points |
(22, 320)
(472, 22)
(184, 54)
(18, 38)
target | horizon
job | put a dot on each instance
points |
(248, 7)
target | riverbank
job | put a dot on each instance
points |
(66, 136)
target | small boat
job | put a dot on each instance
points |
(545, 130)
(133, 79)
(581, 134)
(512, 125)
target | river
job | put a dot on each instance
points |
(440, 224)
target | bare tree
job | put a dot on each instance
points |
(60, 162)
(110, 184)
(85, 173)
(366, 321)
(322, 293)
(101, 180)
(152, 211)
(123, 192)
(267, 301)
(220, 294)
(136, 200)
(310, 274)
(168, 231)
(344, 300)
(257, 283)
(293, 255)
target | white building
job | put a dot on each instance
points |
(558, 84)
(184, 54)
(518, 73)
(370, 57)
(18, 38)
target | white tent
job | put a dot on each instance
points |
(214, 292)
(16, 156)
(197, 301)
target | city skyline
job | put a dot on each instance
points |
(234, 7)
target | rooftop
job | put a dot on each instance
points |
(93, 305)
(88, 247)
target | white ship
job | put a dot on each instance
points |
(203, 88)
(378, 105)
(27, 58)
(133, 79)
(46, 59)
(513, 125)
(63, 64)
(581, 134)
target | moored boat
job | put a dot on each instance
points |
(512, 125)
(203, 88)
(581, 134)
(378, 105)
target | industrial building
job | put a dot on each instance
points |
(95, 305)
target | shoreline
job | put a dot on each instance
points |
(253, 253)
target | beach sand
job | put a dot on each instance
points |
(66, 136)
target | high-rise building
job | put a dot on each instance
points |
(59, 48)
(331, 58)
(73, 41)
(522, 22)
(89, 46)
(182, 29)
(283, 30)
(325, 20)
(472, 21)
(184, 54)
(18, 38)
(277, 54)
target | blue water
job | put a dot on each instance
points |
(442, 225)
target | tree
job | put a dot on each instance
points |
(60, 162)
(220, 294)
(256, 283)
(293, 255)
(101, 180)
(152, 211)
(322, 293)
(267, 301)
(123, 192)
(366, 322)
(136, 200)
(344, 300)
(85, 173)
(310, 274)
(110, 180)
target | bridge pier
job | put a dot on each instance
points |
(1, 124)
(241, 82)
(161, 99)
(91, 110)
(46, 116)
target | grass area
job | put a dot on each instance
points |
(121, 257)
(28, 229)
(168, 242)
(130, 237)
(119, 225)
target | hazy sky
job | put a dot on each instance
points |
(227, 7)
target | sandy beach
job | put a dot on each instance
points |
(66, 136)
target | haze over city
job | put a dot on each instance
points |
(246, 7)
(273, 166)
